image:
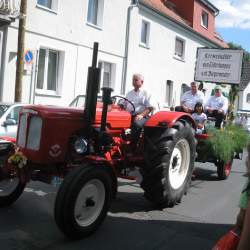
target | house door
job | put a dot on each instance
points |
(1, 62)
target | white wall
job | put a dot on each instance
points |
(66, 30)
(243, 104)
(69, 23)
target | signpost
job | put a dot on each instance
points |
(218, 65)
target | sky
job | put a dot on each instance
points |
(233, 21)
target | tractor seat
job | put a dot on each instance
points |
(211, 119)
(210, 122)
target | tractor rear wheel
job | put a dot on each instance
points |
(170, 156)
(224, 169)
(83, 201)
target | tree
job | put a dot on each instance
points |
(246, 56)
(235, 89)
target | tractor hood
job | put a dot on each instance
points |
(116, 118)
(55, 111)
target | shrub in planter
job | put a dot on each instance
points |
(225, 142)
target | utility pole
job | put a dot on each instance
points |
(20, 51)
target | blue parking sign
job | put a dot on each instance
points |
(28, 57)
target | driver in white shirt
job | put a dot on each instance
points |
(143, 106)
(141, 101)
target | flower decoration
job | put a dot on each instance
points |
(18, 159)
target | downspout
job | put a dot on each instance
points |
(134, 3)
(3, 58)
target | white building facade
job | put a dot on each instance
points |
(133, 37)
(244, 89)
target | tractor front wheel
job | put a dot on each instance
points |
(169, 156)
(11, 186)
(83, 201)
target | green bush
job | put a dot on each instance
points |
(225, 142)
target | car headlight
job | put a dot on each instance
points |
(81, 145)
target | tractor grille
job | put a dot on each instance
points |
(29, 134)
(22, 130)
(34, 135)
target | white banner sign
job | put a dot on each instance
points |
(218, 65)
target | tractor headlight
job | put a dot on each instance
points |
(81, 145)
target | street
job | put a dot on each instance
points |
(206, 212)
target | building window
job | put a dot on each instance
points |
(45, 3)
(179, 48)
(47, 76)
(169, 93)
(204, 19)
(184, 88)
(145, 29)
(95, 12)
(48, 4)
(248, 98)
(107, 74)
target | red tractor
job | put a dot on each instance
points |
(88, 149)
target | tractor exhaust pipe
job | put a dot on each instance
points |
(106, 99)
(92, 88)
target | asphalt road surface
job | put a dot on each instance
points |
(206, 212)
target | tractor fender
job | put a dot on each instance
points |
(168, 119)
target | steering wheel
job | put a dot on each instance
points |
(121, 100)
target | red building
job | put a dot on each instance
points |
(199, 15)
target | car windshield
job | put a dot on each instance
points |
(3, 108)
(79, 101)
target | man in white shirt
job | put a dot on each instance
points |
(141, 100)
(217, 106)
(190, 98)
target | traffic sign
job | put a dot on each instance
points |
(28, 57)
(218, 65)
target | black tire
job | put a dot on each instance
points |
(224, 169)
(87, 176)
(161, 148)
(10, 188)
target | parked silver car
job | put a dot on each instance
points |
(9, 116)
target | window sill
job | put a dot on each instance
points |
(46, 9)
(179, 58)
(48, 94)
(143, 45)
(205, 27)
(94, 26)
